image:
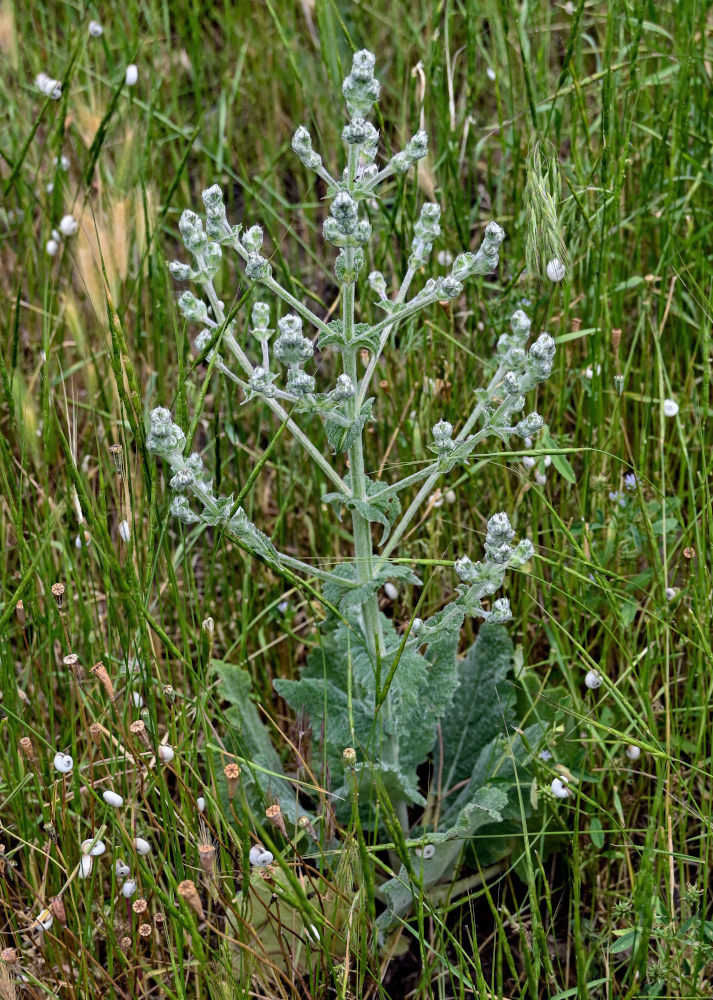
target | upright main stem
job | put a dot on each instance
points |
(361, 529)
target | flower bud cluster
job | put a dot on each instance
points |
(415, 150)
(443, 442)
(216, 219)
(425, 233)
(343, 227)
(302, 146)
(361, 88)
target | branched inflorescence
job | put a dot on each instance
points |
(282, 376)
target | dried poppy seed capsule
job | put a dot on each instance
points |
(28, 749)
(102, 675)
(95, 732)
(274, 815)
(58, 910)
(112, 799)
(138, 729)
(63, 763)
(559, 788)
(349, 757)
(188, 892)
(593, 680)
(140, 906)
(232, 776)
(145, 930)
(206, 853)
(142, 846)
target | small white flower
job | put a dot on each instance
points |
(95, 29)
(86, 863)
(128, 888)
(670, 407)
(555, 270)
(593, 680)
(490, 73)
(166, 753)
(559, 788)
(63, 763)
(125, 531)
(671, 593)
(200, 803)
(132, 75)
(68, 225)
(44, 919)
(51, 248)
(391, 591)
(450, 496)
(545, 755)
(93, 847)
(121, 868)
(112, 799)
(142, 846)
(283, 606)
(49, 87)
(259, 857)
(633, 752)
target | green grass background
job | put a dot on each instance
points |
(623, 92)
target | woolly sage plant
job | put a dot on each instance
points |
(367, 688)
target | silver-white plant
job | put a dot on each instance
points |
(277, 373)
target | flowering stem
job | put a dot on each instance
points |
(278, 410)
(427, 487)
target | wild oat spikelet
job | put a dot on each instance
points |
(545, 248)
(188, 892)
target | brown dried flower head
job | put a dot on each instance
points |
(58, 593)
